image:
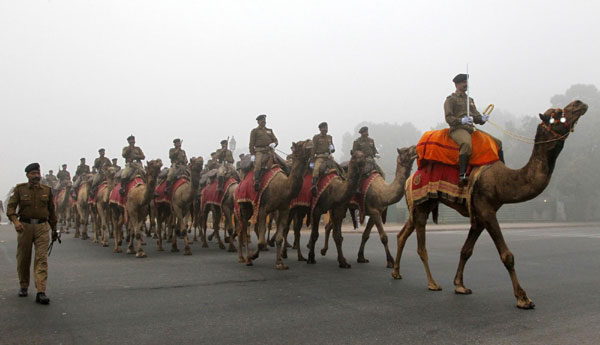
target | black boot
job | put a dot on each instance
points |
(23, 292)
(123, 187)
(501, 155)
(168, 188)
(257, 181)
(41, 298)
(463, 162)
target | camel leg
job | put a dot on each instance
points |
(160, 224)
(465, 254)
(422, 251)
(241, 229)
(314, 235)
(217, 226)
(282, 218)
(297, 228)
(384, 239)
(365, 238)
(177, 227)
(229, 229)
(337, 216)
(328, 229)
(403, 235)
(508, 259)
(138, 234)
(205, 229)
(116, 228)
(184, 222)
(261, 230)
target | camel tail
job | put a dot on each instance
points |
(354, 222)
(384, 215)
(435, 213)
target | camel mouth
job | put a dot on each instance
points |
(576, 108)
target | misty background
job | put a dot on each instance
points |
(76, 76)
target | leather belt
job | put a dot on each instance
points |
(33, 220)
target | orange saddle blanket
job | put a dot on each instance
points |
(438, 146)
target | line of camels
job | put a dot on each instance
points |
(496, 185)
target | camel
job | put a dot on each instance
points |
(138, 206)
(83, 211)
(164, 219)
(335, 198)
(63, 207)
(379, 196)
(498, 185)
(182, 204)
(100, 208)
(219, 211)
(277, 196)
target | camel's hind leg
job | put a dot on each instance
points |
(403, 235)
(365, 238)
(328, 228)
(465, 254)
(508, 259)
(422, 251)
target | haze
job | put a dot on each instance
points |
(79, 75)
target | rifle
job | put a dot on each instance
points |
(52, 243)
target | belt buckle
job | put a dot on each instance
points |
(35, 221)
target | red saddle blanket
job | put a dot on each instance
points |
(438, 146)
(436, 181)
(211, 194)
(358, 200)
(116, 198)
(245, 191)
(160, 190)
(92, 198)
(321, 186)
(305, 196)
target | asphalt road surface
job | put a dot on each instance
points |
(98, 297)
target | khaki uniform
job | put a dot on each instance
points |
(260, 139)
(63, 175)
(320, 152)
(116, 166)
(366, 145)
(212, 164)
(34, 202)
(101, 164)
(51, 180)
(177, 157)
(455, 108)
(81, 170)
(133, 162)
(224, 156)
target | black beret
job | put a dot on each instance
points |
(32, 167)
(176, 140)
(131, 137)
(460, 78)
(213, 153)
(322, 124)
(261, 117)
(64, 165)
(101, 150)
(81, 159)
(114, 159)
(223, 141)
(363, 129)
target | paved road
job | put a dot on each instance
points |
(99, 297)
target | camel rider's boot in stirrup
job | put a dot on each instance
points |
(501, 155)
(123, 187)
(463, 161)
(168, 188)
(314, 189)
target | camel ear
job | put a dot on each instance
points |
(397, 149)
(545, 118)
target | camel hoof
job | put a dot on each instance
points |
(284, 255)
(117, 250)
(232, 250)
(140, 255)
(461, 290)
(295, 246)
(282, 267)
(434, 287)
(362, 260)
(525, 304)
(323, 252)
(104, 244)
(390, 265)
(120, 242)
(204, 245)
(221, 246)
(160, 249)
(130, 251)
(301, 258)
(396, 275)
(264, 249)
(76, 235)
(187, 251)
(241, 260)
(344, 265)
(143, 243)
(174, 250)
(271, 243)
(95, 241)
(249, 263)
(311, 261)
(84, 237)
(155, 237)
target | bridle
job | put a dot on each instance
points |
(557, 116)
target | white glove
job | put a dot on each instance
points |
(484, 118)
(252, 158)
(466, 120)
(311, 165)
(331, 147)
(272, 145)
(377, 155)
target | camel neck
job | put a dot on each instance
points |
(296, 177)
(395, 192)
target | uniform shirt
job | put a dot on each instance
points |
(366, 145)
(34, 201)
(177, 156)
(82, 169)
(212, 164)
(455, 108)
(51, 178)
(64, 175)
(133, 154)
(116, 166)
(261, 137)
(101, 163)
(224, 155)
(321, 144)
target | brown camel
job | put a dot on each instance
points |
(63, 207)
(379, 196)
(83, 210)
(100, 209)
(182, 204)
(219, 213)
(138, 206)
(335, 199)
(276, 196)
(164, 222)
(495, 186)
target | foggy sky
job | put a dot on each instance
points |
(79, 75)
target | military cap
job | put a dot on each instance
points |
(322, 124)
(32, 167)
(64, 165)
(131, 137)
(114, 159)
(176, 140)
(460, 78)
(363, 129)
(213, 153)
(261, 117)
(82, 159)
(101, 150)
(223, 141)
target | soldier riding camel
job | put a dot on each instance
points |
(212, 163)
(133, 163)
(262, 145)
(366, 145)
(461, 125)
(321, 153)
(51, 180)
(179, 163)
(64, 174)
(101, 164)
(82, 169)
(115, 165)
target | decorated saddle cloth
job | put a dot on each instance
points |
(58, 196)
(159, 191)
(358, 200)
(212, 195)
(115, 196)
(438, 146)
(322, 184)
(101, 187)
(245, 191)
(304, 198)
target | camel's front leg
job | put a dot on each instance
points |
(137, 229)
(337, 216)
(314, 235)
(282, 218)
(365, 237)
(261, 229)
(465, 254)
(384, 239)
(403, 235)
(422, 251)
(328, 228)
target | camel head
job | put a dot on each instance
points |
(562, 121)
(196, 165)
(301, 150)
(153, 167)
(406, 156)
(357, 161)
